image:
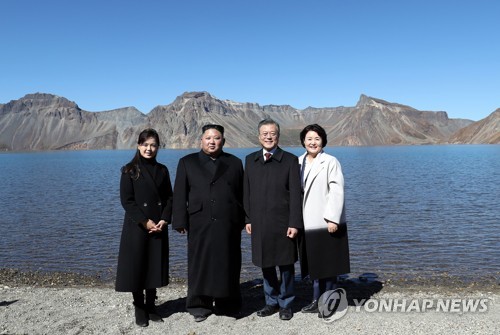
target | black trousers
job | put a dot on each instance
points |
(150, 297)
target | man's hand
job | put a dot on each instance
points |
(292, 232)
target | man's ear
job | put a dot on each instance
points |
(223, 141)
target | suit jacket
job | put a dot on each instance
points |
(208, 202)
(273, 203)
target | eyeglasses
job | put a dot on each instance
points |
(272, 134)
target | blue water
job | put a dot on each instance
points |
(412, 210)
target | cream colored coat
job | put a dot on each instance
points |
(323, 192)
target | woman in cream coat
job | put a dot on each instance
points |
(326, 243)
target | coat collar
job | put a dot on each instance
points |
(318, 165)
(321, 157)
(221, 163)
(259, 155)
(149, 178)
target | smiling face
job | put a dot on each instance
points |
(212, 142)
(149, 148)
(313, 143)
(269, 136)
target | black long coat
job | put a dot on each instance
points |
(143, 257)
(209, 205)
(273, 203)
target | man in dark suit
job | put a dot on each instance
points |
(272, 197)
(208, 205)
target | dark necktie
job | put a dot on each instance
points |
(268, 156)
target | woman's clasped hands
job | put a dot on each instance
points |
(153, 227)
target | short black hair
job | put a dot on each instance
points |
(316, 128)
(213, 126)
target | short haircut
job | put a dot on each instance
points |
(212, 126)
(269, 121)
(316, 128)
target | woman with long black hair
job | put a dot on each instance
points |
(146, 196)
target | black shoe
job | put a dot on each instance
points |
(285, 313)
(153, 314)
(141, 316)
(311, 308)
(228, 312)
(267, 310)
(200, 318)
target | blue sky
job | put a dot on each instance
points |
(105, 54)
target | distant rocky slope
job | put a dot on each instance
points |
(486, 130)
(48, 122)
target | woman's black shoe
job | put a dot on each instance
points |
(150, 305)
(311, 308)
(153, 315)
(141, 316)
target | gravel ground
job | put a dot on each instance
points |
(58, 303)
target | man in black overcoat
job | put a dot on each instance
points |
(272, 198)
(208, 205)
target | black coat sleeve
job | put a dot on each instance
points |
(127, 198)
(168, 197)
(179, 211)
(294, 183)
(246, 192)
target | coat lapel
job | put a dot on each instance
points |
(318, 165)
(222, 166)
(259, 156)
(277, 156)
(220, 169)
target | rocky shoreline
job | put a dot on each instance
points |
(68, 303)
(17, 278)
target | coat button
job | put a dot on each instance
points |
(145, 204)
(159, 203)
